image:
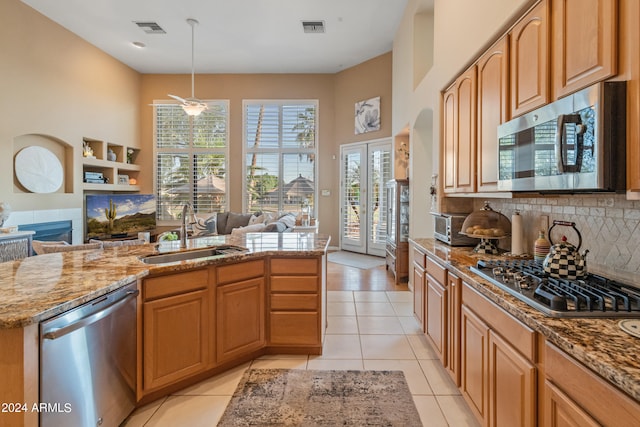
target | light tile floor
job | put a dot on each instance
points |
(366, 330)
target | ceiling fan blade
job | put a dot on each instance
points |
(177, 98)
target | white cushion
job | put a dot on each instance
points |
(254, 228)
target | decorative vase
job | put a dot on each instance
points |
(541, 247)
(111, 156)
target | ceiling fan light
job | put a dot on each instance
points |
(194, 110)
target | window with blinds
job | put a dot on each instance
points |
(191, 159)
(280, 150)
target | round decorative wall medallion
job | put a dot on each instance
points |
(38, 170)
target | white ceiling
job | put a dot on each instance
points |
(234, 36)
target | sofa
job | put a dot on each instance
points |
(240, 223)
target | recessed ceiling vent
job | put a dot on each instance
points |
(150, 27)
(313, 26)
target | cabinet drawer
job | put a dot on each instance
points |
(294, 284)
(174, 284)
(511, 329)
(294, 328)
(437, 271)
(293, 265)
(419, 258)
(240, 271)
(294, 302)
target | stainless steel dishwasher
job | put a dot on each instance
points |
(88, 362)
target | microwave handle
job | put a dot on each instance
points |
(562, 166)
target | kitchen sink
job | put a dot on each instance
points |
(214, 251)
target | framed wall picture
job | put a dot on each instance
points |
(367, 118)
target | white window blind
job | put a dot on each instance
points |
(379, 174)
(280, 149)
(191, 159)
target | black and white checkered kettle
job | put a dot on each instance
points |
(564, 260)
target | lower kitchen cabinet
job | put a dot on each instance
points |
(240, 309)
(574, 396)
(176, 327)
(561, 411)
(474, 381)
(436, 307)
(498, 372)
(454, 291)
(295, 295)
(196, 323)
(512, 385)
(418, 268)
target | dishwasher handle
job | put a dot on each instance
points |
(55, 333)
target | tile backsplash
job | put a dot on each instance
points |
(609, 225)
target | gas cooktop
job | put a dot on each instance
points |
(593, 296)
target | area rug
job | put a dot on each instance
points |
(352, 259)
(296, 397)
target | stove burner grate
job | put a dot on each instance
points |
(593, 296)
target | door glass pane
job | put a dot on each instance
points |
(351, 208)
(379, 174)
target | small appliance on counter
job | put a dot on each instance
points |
(487, 225)
(447, 227)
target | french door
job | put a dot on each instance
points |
(365, 168)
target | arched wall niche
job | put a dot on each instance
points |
(61, 149)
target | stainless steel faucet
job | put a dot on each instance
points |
(183, 226)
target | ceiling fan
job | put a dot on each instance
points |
(192, 106)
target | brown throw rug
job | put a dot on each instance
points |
(294, 397)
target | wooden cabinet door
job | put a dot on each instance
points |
(175, 338)
(474, 363)
(493, 110)
(466, 135)
(449, 136)
(512, 390)
(436, 316)
(561, 411)
(459, 138)
(454, 293)
(418, 293)
(584, 43)
(529, 57)
(240, 318)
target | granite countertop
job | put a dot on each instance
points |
(598, 343)
(39, 287)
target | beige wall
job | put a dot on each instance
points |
(56, 89)
(336, 93)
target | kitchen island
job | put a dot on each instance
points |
(589, 364)
(37, 288)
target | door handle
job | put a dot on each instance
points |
(561, 143)
(55, 333)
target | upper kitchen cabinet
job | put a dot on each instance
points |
(459, 134)
(493, 109)
(584, 43)
(530, 60)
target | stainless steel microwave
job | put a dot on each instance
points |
(577, 143)
(447, 229)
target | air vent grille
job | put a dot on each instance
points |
(313, 26)
(150, 27)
